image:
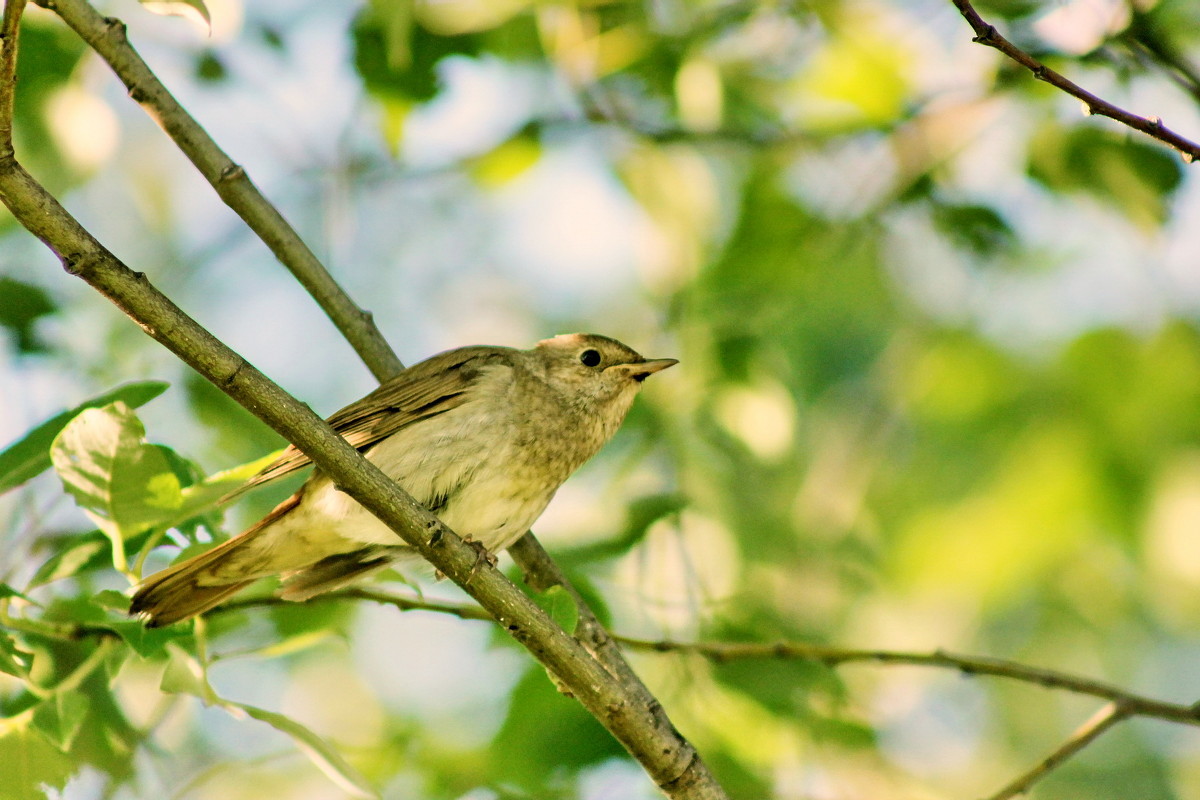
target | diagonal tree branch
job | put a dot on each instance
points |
(106, 35)
(666, 756)
(1085, 734)
(986, 34)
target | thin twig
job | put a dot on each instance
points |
(1133, 704)
(106, 35)
(1085, 734)
(1147, 39)
(401, 602)
(986, 34)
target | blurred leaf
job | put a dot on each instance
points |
(395, 57)
(1009, 9)
(124, 484)
(7, 591)
(502, 164)
(980, 229)
(210, 68)
(858, 77)
(50, 54)
(1134, 176)
(324, 755)
(784, 687)
(14, 660)
(1042, 503)
(194, 10)
(559, 604)
(148, 642)
(111, 600)
(66, 563)
(21, 304)
(29, 763)
(184, 675)
(544, 732)
(640, 515)
(30, 456)
(299, 620)
(844, 732)
(60, 717)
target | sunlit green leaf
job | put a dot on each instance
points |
(66, 563)
(125, 484)
(29, 763)
(185, 675)
(60, 717)
(30, 455)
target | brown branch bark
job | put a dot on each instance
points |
(666, 756)
(106, 35)
(986, 34)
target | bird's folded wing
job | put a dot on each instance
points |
(424, 390)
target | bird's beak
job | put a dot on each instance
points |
(643, 369)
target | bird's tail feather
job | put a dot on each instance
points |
(196, 585)
(334, 572)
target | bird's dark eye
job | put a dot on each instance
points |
(590, 358)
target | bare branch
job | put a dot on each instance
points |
(1133, 704)
(106, 35)
(986, 34)
(1085, 734)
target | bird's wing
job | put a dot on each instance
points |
(424, 390)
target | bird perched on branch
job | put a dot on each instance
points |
(481, 436)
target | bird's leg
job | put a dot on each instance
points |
(482, 556)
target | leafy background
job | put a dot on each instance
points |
(939, 388)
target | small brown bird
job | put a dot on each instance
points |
(481, 436)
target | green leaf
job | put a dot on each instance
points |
(60, 717)
(21, 304)
(148, 642)
(66, 563)
(399, 59)
(14, 660)
(545, 733)
(185, 675)
(28, 762)
(980, 229)
(7, 591)
(327, 759)
(125, 484)
(1136, 177)
(30, 456)
(559, 604)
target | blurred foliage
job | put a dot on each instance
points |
(920, 406)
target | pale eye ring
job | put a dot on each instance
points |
(589, 357)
